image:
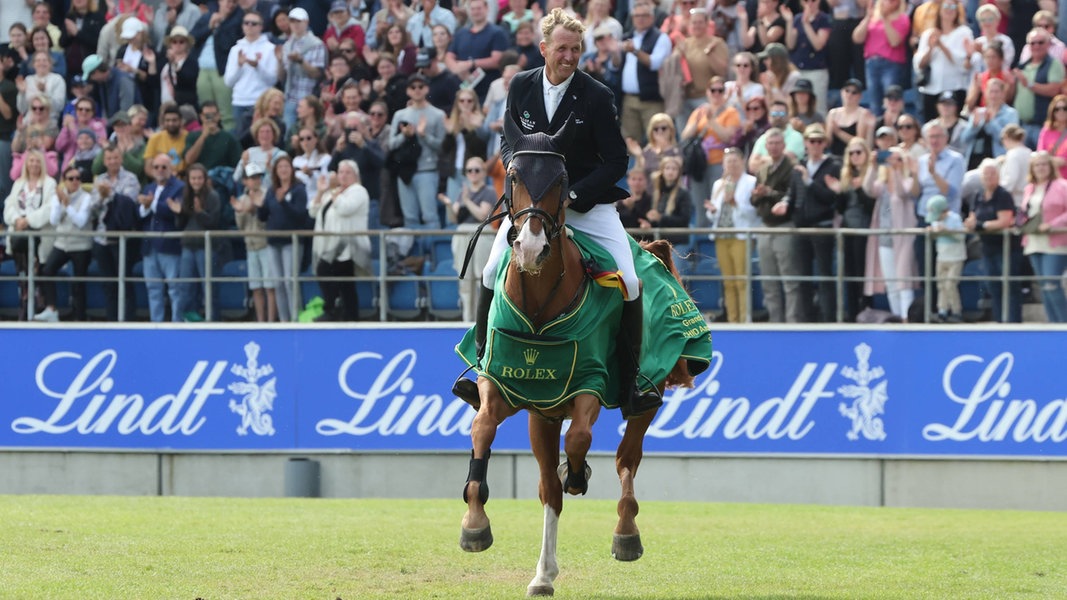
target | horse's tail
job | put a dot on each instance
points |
(664, 251)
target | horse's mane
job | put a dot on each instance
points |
(664, 251)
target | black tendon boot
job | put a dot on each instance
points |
(464, 388)
(632, 400)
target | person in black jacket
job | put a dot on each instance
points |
(812, 203)
(545, 100)
(181, 70)
(80, 31)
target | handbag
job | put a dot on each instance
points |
(695, 157)
(403, 160)
(922, 76)
(1026, 223)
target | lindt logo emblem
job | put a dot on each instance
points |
(256, 398)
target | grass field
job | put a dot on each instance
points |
(88, 547)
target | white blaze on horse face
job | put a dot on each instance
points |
(528, 247)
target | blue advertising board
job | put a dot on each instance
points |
(813, 392)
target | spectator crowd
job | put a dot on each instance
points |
(340, 116)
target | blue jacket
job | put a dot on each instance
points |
(289, 214)
(159, 218)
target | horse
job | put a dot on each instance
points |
(552, 316)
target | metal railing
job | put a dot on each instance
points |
(381, 239)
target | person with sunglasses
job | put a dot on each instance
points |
(343, 26)
(251, 70)
(70, 209)
(161, 256)
(216, 33)
(707, 56)
(1053, 136)
(82, 119)
(768, 28)
(1037, 81)
(43, 83)
(467, 210)
(425, 123)
(716, 123)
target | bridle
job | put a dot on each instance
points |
(550, 223)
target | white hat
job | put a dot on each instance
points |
(298, 14)
(253, 169)
(131, 27)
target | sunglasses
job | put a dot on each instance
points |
(1059, 109)
(252, 23)
(855, 152)
(474, 170)
(816, 141)
(83, 109)
(1037, 42)
(306, 138)
(716, 90)
(417, 86)
(753, 108)
(39, 109)
(466, 100)
(661, 128)
(73, 178)
(179, 41)
(778, 114)
(742, 66)
(377, 114)
(851, 91)
(160, 167)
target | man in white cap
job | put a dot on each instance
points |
(301, 61)
(173, 13)
(251, 69)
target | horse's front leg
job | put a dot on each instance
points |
(476, 534)
(575, 471)
(626, 543)
(544, 442)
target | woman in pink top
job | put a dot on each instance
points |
(884, 35)
(1053, 137)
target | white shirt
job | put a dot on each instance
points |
(553, 94)
(659, 53)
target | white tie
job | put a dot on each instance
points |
(553, 101)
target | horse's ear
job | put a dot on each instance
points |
(511, 131)
(565, 134)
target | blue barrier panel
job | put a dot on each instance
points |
(844, 392)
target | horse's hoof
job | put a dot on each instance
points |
(540, 590)
(476, 540)
(574, 481)
(467, 391)
(627, 548)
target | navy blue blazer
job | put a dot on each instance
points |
(162, 218)
(596, 158)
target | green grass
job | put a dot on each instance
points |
(88, 547)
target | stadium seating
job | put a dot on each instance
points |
(443, 297)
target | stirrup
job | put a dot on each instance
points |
(639, 402)
(467, 390)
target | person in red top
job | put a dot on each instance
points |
(343, 25)
(995, 62)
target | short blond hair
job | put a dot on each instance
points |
(559, 18)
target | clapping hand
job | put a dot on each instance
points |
(174, 205)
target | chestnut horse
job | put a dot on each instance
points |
(550, 283)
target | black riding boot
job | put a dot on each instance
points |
(464, 388)
(632, 400)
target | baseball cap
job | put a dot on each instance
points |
(253, 169)
(936, 205)
(338, 5)
(298, 14)
(803, 86)
(131, 27)
(853, 82)
(773, 49)
(90, 64)
(425, 57)
(885, 130)
(814, 131)
(77, 81)
(119, 117)
(894, 92)
(417, 78)
(946, 97)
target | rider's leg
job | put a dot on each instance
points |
(464, 388)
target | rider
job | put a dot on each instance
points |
(542, 100)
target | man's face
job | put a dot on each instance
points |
(561, 51)
(172, 123)
(637, 182)
(478, 11)
(936, 139)
(417, 91)
(1038, 46)
(779, 115)
(112, 160)
(642, 17)
(775, 147)
(252, 25)
(339, 17)
(161, 169)
(209, 115)
(339, 68)
(226, 7)
(298, 28)
(815, 146)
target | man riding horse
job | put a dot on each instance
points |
(542, 100)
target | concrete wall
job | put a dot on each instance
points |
(996, 484)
